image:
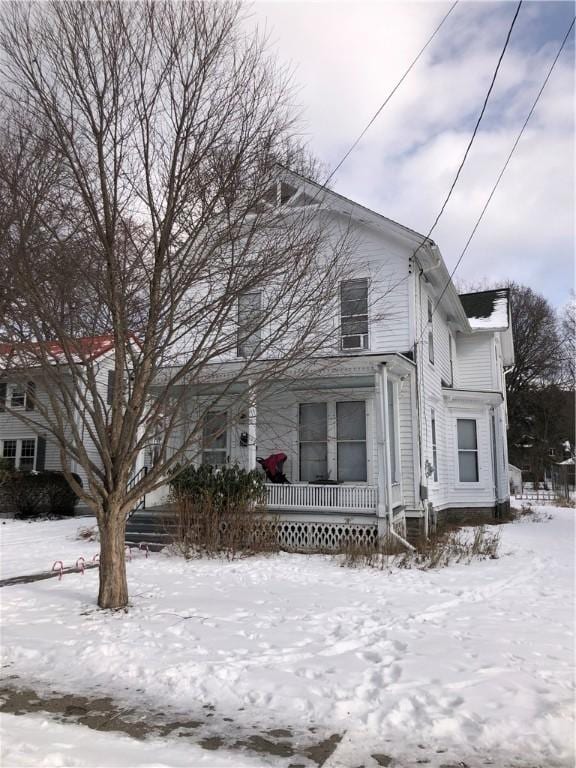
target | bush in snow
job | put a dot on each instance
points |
(31, 494)
(219, 509)
(440, 549)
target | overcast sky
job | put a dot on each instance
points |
(348, 55)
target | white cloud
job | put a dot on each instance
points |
(347, 58)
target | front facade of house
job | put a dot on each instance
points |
(399, 421)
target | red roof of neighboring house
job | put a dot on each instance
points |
(87, 347)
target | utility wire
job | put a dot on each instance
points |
(474, 132)
(505, 166)
(387, 99)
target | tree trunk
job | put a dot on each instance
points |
(113, 592)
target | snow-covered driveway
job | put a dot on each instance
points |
(472, 659)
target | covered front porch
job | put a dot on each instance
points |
(342, 425)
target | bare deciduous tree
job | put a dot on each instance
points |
(140, 173)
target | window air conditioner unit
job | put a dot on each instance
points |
(358, 341)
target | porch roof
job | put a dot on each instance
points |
(339, 370)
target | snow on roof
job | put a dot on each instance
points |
(487, 310)
(82, 350)
(89, 347)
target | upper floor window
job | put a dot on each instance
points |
(354, 314)
(430, 332)
(467, 451)
(16, 396)
(249, 323)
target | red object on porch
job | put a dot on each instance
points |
(273, 467)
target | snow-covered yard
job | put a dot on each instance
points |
(469, 663)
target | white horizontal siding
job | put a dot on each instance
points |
(476, 362)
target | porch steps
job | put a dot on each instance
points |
(150, 526)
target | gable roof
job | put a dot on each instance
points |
(317, 191)
(487, 310)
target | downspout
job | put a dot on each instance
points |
(384, 410)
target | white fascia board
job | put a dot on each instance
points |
(462, 396)
(337, 365)
(507, 341)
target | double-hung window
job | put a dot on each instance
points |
(17, 396)
(20, 453)
(215, 438)
(351, 441)
(354, 314)
(313, 435)
(332, 441)
(467, 450)
(249, 323)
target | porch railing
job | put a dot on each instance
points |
(354, 499)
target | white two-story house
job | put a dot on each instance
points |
(401, 419)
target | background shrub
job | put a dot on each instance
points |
(31, 494)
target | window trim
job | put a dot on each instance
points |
(468, 483)
(340, 441)
(332, 436)
(18, 456)
(204, 449)
(365, 337)
(325, 442)
(257, 334)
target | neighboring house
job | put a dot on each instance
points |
(402, 418)
(25, 440)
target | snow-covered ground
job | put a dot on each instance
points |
(476, 660)
(40, 743)
(33, 546)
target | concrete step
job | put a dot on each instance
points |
(158, 539)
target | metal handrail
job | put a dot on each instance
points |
(136, 477)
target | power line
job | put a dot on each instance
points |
(505, 166)
(474, 132)
(387, 99)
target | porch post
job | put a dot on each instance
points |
(380, 436)
(252, 414)
(384, 393)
